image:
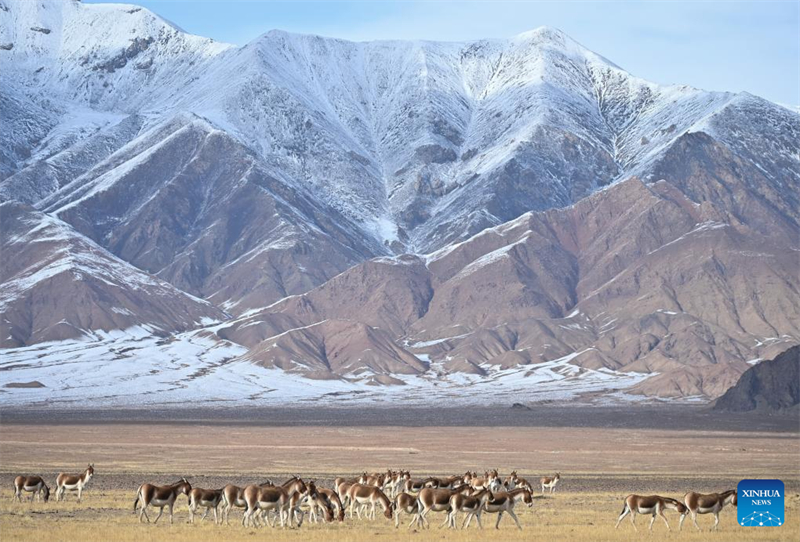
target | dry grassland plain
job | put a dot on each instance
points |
(599, 466)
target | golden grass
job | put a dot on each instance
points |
(108, 516)
(592, 461)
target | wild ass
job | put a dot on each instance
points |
(160, 496)
(317, 500)
(71, 482)
(505, 501)
(436, 500)
(234, 496)
(550, 483)
(712, 503)
(334, 500)
(653, 505)
(265, 499)
(405, 503)
(359, 495)
(32, 484)
(206, 498)
(513, 481)
(472, 505)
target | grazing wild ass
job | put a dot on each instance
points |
(31, 484)
(360, 495)
(550, 483)
(334, 500)
(653, 505)
(72, 482)
(317, 500)
(160, 496)
(712, 503)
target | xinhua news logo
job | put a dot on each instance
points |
(760, 503)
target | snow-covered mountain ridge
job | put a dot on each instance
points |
(389, 211)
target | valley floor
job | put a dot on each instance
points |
(600, 463)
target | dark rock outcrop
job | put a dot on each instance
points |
(770, 386)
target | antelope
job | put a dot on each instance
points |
(550, 483)
(505, 501)
(234, 496)
(32, 484)
(334, 500)
(160, 496)
(207, 498)
(359, 495)
(654, 504)
(713, 503)
(436, 500)
(407, 503)
(70, 482)
(472, 505)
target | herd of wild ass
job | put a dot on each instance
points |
(395, 492)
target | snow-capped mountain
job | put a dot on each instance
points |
(366, 197)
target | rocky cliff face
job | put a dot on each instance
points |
(770, 386)
(387, 210)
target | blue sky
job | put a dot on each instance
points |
(715, 45)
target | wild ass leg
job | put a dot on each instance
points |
(625, 512)
(694, 519)
(516, 520)
(161, 511)
(661, 513)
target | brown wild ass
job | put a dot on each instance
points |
(160, 496)
(505, 501)
(550, 482)
(436, 500)
(262, 499)
(31, 484)
(653, 505)
(206, 498)
(712, 503)
(72, 482)
(360, 495)
(405, 503)
(317, 500)
(334, 500)
(471, 505)
(234, 496)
